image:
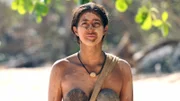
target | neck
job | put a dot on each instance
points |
(91, 55)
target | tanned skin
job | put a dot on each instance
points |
(68, 73)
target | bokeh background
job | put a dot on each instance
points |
(28, 49)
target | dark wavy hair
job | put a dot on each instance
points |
(89, 7)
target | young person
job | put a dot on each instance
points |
(73, 78)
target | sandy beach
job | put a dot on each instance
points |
(31, 84)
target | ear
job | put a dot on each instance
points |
(105, 29)
(75, 30)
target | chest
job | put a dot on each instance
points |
(114, 81)
(79, 78)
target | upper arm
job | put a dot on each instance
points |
(127, 84)
(54, 93)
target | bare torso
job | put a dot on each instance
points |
(75, 76)
(68, 74)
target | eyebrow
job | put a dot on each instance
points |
(93, 19)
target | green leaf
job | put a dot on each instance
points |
(128, 2)
(38, 19)
(41, 9)
(76, 1)
(121, 5)
(28, 4)
(14, 5)
(157, 23)
(138, 18)
(47, 1)
(21, 10)
(141, 15)
(165, 30)
(45, 11)
(147, 24)
(83, 1)
(21, 2)
(164, 16)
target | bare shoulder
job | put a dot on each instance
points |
(57, 70)
(123, 65)
(125, 69)
(61, 64)
(56, 77)
(121, 62)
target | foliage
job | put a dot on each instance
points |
(83, 1)
(148, 18)
(38, 7)
(122, 5)
(51, 39)
(146, 15)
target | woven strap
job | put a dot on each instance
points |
(108, 67)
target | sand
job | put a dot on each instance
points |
(31, 84)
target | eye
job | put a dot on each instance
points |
(84, 24)
(96, 24)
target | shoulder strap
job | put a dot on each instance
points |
(108, 67)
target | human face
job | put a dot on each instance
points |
(90, 29)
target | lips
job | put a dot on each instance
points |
(91, 36)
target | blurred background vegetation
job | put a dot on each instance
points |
(143, 32)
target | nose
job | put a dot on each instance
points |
(90, 28)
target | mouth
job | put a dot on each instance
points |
(91, 36)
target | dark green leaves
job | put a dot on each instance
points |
(83, 1)
(47, 1)
(41, 9)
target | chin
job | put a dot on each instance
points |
(93, 43)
